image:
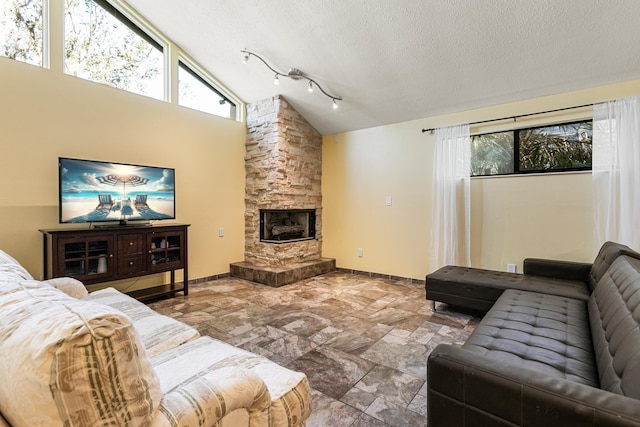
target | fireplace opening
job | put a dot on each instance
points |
(287, 225)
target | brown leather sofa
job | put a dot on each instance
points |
(548, 359)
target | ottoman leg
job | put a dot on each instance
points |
(433, 306)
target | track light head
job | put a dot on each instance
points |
(276, 80)
(310, 88)
(335, 104)
(245, 59)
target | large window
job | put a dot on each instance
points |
(106, 41)
(21, 31)
(554, 148)
(104, 46)
(197, 93)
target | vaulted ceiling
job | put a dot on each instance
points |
(393, 61)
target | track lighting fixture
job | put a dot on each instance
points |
(293, 74)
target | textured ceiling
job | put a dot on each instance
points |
(406, 59)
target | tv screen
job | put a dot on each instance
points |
(93, 191)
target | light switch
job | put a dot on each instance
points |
(387, 201)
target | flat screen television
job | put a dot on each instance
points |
(93, 191)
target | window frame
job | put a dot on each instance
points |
(196, 71)
(516, 151)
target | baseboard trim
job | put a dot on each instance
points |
(371, 274)
(381, 276)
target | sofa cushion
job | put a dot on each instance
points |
(70, 362)
(608, 253)
(614, 312)
(157, 332)
(289, 391)
(545, 333)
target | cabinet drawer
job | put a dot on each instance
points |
(130, 244)
(131, 265)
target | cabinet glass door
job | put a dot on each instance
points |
(165, 250)
(86, 257)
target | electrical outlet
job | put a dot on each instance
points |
(220, 232)
(388, 201)
(511, 268)
(360, 253)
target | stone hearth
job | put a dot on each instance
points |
(283, 165)
(277, 276)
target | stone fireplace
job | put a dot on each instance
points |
(283, 199)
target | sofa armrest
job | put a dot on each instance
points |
(566, 270)
(465, 388)
(70, 286)
(206, 399)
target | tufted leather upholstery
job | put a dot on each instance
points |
(608, 253)
(614, 310)
(545, 333)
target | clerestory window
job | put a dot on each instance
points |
(21, 30)
(104, 46)
(195, 92)
(553, 148)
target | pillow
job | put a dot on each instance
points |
(71, 362)
(70, 286)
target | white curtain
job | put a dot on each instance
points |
(451, 211)
(616, 172)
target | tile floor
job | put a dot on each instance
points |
(362, 342)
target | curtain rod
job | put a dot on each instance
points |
(519, 116)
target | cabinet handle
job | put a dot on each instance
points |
(130, 243)
(110, 255)
(130, 262)
(149, 251)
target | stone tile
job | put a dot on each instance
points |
(300, 323)
(365, 420)
(400, 354)
(395, 386)
(389, 316)
(330, 371)
(325, 335)
(395, 415)
(419, 405)
(350, 343)
(291, 346)
(330, 412)
(358, 398)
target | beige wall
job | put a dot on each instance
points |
(45, 114)
(511, 217)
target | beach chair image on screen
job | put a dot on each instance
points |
(141, 201)
(104, 202)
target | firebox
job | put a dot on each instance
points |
(287, 225)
